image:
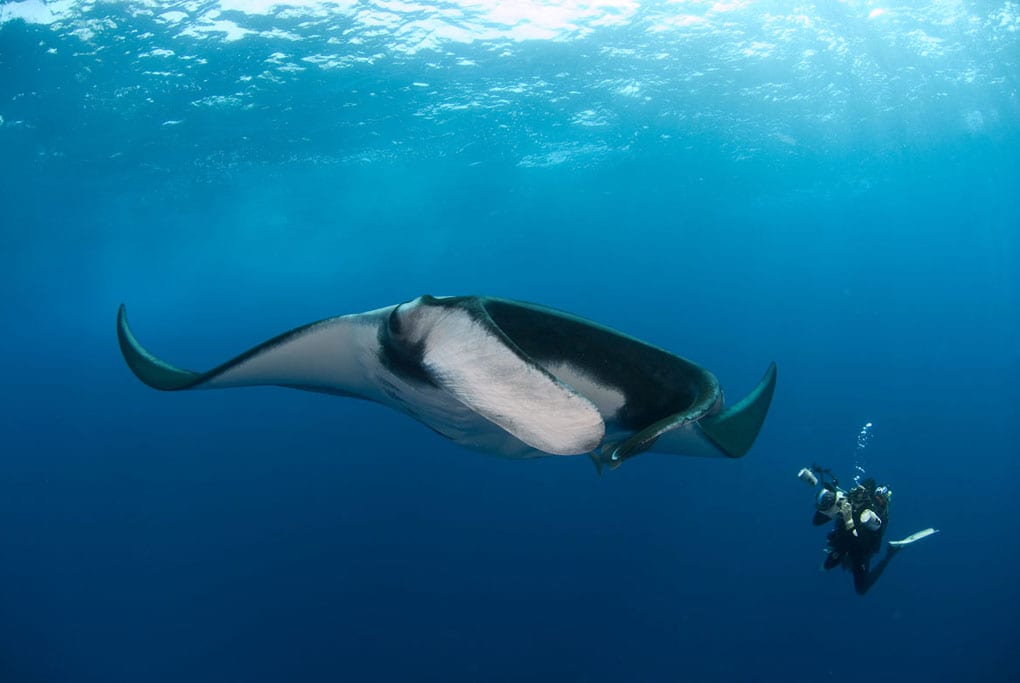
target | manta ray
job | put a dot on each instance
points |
(505, 377)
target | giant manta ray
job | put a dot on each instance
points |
(505, 377)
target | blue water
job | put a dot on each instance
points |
(835, 187)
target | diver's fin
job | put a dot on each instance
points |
(736, 427)
(916, 536)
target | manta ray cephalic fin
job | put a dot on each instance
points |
(736, 427)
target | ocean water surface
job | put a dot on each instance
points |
(833, 186)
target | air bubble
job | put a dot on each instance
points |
(860, 462)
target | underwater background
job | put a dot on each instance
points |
(834, 186)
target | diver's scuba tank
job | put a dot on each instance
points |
(870, 520)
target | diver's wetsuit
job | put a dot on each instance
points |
(856, 551)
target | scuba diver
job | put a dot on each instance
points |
(861, 516)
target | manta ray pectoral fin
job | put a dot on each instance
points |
(151, 370)
(327, 356)
(736, 427)
(470, 357)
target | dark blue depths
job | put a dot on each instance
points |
(266, 534)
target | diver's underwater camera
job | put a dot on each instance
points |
(831, 500)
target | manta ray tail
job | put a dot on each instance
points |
(735, 428)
